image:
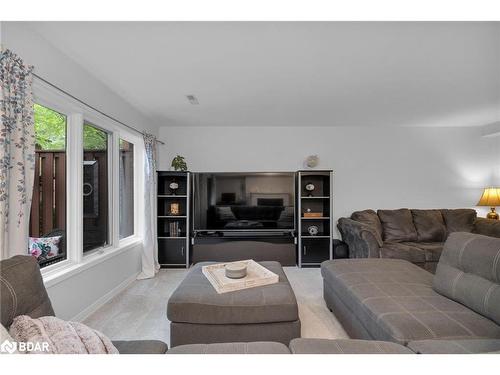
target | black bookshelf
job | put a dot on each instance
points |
(173, 216)
(314, 217)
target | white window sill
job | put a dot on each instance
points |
(66, 269)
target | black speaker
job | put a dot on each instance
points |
(90, 189)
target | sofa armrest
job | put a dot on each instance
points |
(487, 227)
(467, 346)
(361, 238)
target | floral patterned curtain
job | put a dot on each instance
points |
(17, 153)
(150, 265)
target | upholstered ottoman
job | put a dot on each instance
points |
(199, 315)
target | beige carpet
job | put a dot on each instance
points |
(139, 312)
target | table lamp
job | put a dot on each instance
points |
(490, 198)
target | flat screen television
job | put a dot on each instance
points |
(244, 201)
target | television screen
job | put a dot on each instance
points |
(244, 201)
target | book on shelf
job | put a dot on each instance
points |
(313, 214)
(174, 229)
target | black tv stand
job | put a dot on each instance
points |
(237, 245)
(243, 234)
(301, 236)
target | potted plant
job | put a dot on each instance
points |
(179, 163)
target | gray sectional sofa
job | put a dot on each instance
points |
(394, 300)
(22, 293)
(417, 236)
(344, 346)
(387, 306)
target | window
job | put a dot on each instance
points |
(48, 207)
(95, 188)
(85, 191)
(126, 186)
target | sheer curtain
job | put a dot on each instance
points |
(17, 153)
(150, 265)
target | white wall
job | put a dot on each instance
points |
(77, 295)
(417, 167)
(80, 295)
(53, 65)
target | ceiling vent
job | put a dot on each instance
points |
(192, 99)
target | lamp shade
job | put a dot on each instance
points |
(490, 197)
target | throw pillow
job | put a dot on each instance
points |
(398, 225)
(43, 248)
(62, 337)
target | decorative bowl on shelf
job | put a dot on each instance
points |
(236, 270)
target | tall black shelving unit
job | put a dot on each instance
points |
(174, 213)
(313, 249)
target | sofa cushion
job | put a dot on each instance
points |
(469, 272)
(397, 225)
(324, 346)
(369, 217)
(196, 301)
(487, 227)
(21, 290)
(470, 346)
(415, 252)
(400, 250)
(141, 347)
(459, 220)
(429, 225)
(432, 250)
(394, 301)
(263, 347)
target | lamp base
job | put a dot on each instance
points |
(493, 214)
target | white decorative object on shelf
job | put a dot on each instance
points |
(312, 161)
(313, 230)
(256, 276)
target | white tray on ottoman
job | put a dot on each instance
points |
(257, 275)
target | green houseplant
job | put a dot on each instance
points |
(179, 163)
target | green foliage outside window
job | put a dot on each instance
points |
(50, 131)
(94, 139)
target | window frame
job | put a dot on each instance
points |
(136, 185)
(78, 114)
(60, 109)
(110, 167)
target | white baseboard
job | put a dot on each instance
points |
(105, 298)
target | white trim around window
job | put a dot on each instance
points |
(76, 114)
